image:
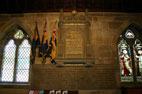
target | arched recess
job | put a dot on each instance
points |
(15, 47)
(129, 47)
(7, 27)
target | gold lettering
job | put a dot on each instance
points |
(74, 42)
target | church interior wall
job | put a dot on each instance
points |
(102, 78)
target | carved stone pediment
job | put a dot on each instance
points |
(74, 18)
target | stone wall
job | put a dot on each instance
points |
(102, 78)
(80, 78)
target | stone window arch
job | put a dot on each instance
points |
(130, 54)
(15, 56)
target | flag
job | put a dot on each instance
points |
(44, 45)
(35, 43)
(53, 44)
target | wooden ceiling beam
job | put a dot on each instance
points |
(15, 6)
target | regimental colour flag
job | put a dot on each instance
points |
(35, 43)
(44, 45)
(53, 44)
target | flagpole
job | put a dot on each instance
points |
(36, 22)
(54, 25)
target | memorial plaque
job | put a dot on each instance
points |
(74, 42)
(73, 39)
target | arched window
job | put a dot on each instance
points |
(125, 61)
(137, 48)
(15, 66)
(130, 55)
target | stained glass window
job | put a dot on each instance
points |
(22, 74)
(8, 62)
(16, 59)
(137, 48)
(19, 34)
(125, 61)
(129, 34)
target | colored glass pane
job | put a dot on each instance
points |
(129, 34)
(19, 34)
(125, 61)
(137, 49)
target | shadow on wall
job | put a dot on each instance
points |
(131, 90)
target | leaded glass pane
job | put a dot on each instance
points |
(125, 61)
(19, 34)
(22, 74)
(8, 62)
(129, 34)
(138, 59)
